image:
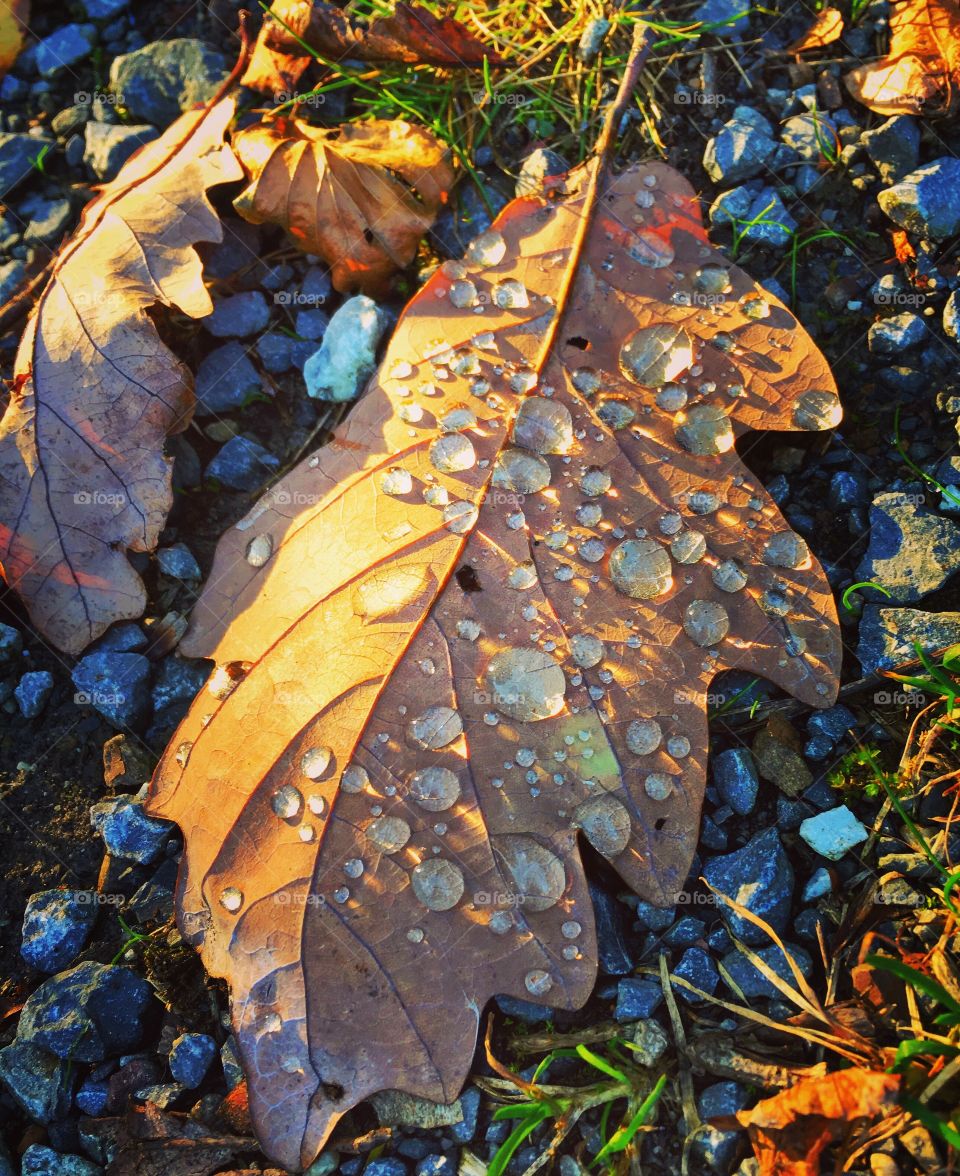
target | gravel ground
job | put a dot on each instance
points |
(72, 763)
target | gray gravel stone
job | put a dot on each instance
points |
(847, 489)
(812, 136)
(589, 45)
(925, 201)
(91, 1012)
(890, 336)
(32, 692)
(726, 18)
(226, 379)
(537, 168)
(637, 999)
(759, 877)
(12, 274)
(178, 561)
(163, 79)
(238, 316)
(178, 682)
(311, 324)
(752, 982)
(735, 778)
(242, 464)
(115, 684)
(347, 356)
(40, 1082)
(56, 927)
(11, 643)
(39, 1160)
(713, 1150)
(104, 9)
(744, 147)
(65, 47)
(696, 966)
(47, 219)
(127, 831)
(894, 147)
(951, 315)
(281, 353)
(107, 148)
(834, 722)
(17, 154)
(912, 551)
(190, 1057)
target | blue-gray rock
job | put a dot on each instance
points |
(537, 168)
(56, 927)
(951, 315)
(732, 207)
(723, 18)
(594, 34)
(806, 923)
(386, 1166)
(39, 1160)
(524, 1010)
(274, 279)
(834, 722)
(817, 885)
(178, 561)
(713, 1150)
(847, 490)
(685, 932)
(239, 248)
(887, 635)
(242, 464)
(654, 918)
(637, 999)
(925, 201)
(712, 836)
(226, 379)
(812, 136)
(47, 220)
(104, 9)
(912, 551)
(316, 288)
(73, 150)
(894, 147)
(767, 221)
(818, 747)
(759, 877)
(899, 332)
(466, 1129)
(154, 899)
(239, 315)
(127, 831)
(123, 637)
(344, 361)
(311, 324)
(163, 79)
(93, 1096)
(115, 684)
(456, 227)
(13, 89)
(11, 643)
(107, 148)
(32, 692)
(40, 1083)
(719, 939)
(65, 47)
(752, 982)
(613, 948)
(282, 353)
(735, 777)
(436, 1165)
(190, 1057)
(17, 156)
(88, 1013)
(12, 274)
(744, 147)
(696, 966)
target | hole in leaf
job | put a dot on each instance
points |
(579, 342)
(333, 1090)
(660, 822)
(368, 236)
(468, 579)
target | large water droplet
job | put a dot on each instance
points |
(654, 355)
(452, 453)
(436, 727)
(543, 425)
(649, 248)
(641, 568)
(463, 294)
(537, 872)
(459, 517)
(658, 786)
(438, 884)
(231, 899)
(712, 279)
(511, 295)
(644, 736)
(729, 576)
(388, 834)
(538, 982)
(587, 650)
(315, 762)
(705, 622)
(706, 431)
(688, 548)
(521, 472)
(606, 824)
(287, 802)
(488, 249)
(259, 550)
(396, 481)
(434, 789)
(526, 684)
(354, 779)
(672, 397)
(817, 411)
(585, 380)
(785, 550)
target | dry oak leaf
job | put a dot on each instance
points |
(826, 27)
(482, 621)
(790, 1130)
(14, 17)
(83, 476)
(921, 72)
(361, 196)
(409, 34)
